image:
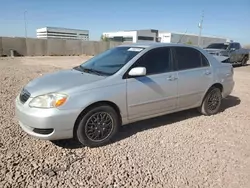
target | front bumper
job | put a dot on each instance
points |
(59, 122)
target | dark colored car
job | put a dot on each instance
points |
(233, 50)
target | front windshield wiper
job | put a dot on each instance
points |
(93, 71)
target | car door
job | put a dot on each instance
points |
(233, 52)
(157, 91)
(194, 76)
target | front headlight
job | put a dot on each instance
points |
(51, 100)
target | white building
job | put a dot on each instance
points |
(133, 35)
(175, 37)
(62, 33)
(152, 35)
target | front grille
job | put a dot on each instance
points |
(43, 131)
(24, 96)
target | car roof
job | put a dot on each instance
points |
(154, 44)
(220, 42)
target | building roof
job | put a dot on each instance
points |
(130, 30)
(155, 44)
(139, 29)
(61, 28)
(192, 34)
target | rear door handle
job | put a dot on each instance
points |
(207, 72)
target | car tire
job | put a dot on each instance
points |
(212, 102)
(244, 61)
(98, 126)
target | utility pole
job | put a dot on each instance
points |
(25, 23)
(200, 26)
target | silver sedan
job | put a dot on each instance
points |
(122, 85)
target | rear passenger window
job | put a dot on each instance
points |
(189, 58)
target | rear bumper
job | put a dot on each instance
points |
(227, 88)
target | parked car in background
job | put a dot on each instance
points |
(233, 50)
(122, 85)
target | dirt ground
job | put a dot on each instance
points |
(184, 149)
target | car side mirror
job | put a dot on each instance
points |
(137, 71)
(233, 49)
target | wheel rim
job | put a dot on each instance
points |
(245, 61)
(213, 101)
(99, 126)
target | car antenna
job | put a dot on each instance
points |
(182, 36)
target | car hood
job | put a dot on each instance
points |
(213, 50)
(221, 58)
(59, 81)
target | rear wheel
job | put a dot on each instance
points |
(212, 102)
(98, 126)
(244, 61)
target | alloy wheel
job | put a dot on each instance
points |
(99, 126)
(213, 101)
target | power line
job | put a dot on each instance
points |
(182, 36)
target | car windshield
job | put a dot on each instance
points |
(218, 46)
(110, 61)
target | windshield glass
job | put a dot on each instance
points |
(111, 60)
(218, 46)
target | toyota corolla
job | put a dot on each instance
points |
(124, 84)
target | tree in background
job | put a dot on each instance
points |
(189, 42)
(104, 38)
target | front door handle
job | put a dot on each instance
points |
(171, 78)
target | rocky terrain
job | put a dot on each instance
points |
(179, 150)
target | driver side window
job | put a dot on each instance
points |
(237, 46)
(156, 61)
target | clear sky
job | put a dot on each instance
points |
(229, 18)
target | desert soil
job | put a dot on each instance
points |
(184, 149)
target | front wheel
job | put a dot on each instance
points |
(212, 102)
(98, 126)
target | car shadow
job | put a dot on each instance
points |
(229, 102)
(133, 128)
(238, 66)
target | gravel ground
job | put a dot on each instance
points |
(179, 150)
